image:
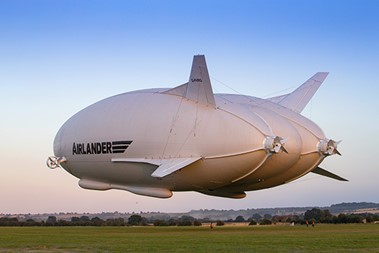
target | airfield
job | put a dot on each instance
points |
(229, 238)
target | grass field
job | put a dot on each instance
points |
(321, 238)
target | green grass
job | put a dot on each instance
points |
(321, 238)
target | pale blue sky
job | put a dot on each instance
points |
(57, 57)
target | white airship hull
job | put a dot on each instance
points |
(153, 142)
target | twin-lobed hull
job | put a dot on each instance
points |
(153, 142)
(162, 126)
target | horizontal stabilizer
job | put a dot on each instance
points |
(326, 173)
(299, 98)
(198, 88)
(171, 165)
(165, 166)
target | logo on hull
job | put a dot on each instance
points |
(107, 147)
(196, 80)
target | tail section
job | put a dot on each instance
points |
(299, 98)
(326, 173)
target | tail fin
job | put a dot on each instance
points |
(198, 88)
(299, 98)
(326, 173)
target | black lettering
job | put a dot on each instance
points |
(104, 147)
(98, 148)
(83, 149)
(93, 148)
(196, 80)
(109, 148)
(89, 149)
(74, 149)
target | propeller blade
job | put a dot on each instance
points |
(328, 147)
(275, 144)
(284, 149)
(337, 152)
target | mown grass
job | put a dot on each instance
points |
(321, 238)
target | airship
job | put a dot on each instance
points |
(154, 142)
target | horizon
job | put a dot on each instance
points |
(195, 210)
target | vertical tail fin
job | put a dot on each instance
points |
(198, 88)
(299, 98)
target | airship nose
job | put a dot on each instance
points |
(57, 146)
(54, 162)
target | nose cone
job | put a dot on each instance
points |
(58, 160)
(57, 146)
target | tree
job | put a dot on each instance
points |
(4, 221)
(197, 223)
(115, 222)
(186, 220)
(172, 222)
(84, 218)
(355, 218)
(295, 219)
(75, 219)
(256, 217)
(239, 218)
(252, 222)
(51, 220)
(220, 223)
(31, 222)
(326, 216)
(160, 223)
(135, 220)
(313, 215)
(267, 216)
(62, 223)
(96, 221)
(265, 222)
(318, 215)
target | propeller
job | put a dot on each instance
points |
(275, 144)
(329, 147)
(54, 162)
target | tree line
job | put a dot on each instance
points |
(314, 215)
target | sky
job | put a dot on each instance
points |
(57, 57)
